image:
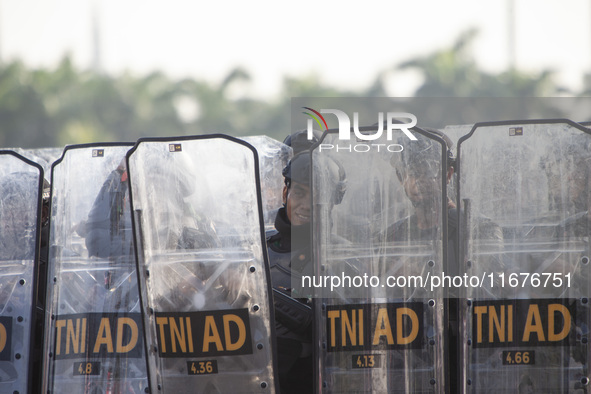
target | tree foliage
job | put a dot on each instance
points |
(55, 107)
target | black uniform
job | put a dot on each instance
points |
(293, 317)
(108, 229)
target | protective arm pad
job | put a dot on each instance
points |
(291, 313)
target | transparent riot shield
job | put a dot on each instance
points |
(524, 232)
(21, 183)
(94, 330)
(379, 220)
(204, 275)
(273, 157)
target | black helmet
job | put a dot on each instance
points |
(423, 155)
(299, 141)
(298, 170)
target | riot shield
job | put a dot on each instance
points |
(42, 156)
(379, 220)
(21, 183)
(94, 331)
(524, 232)
(204, 275)
(273, 157)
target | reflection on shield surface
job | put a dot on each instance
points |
(20, 204)
(205, 281)
(273, 157)
(94, 330)
(524, 230)
(378, 213)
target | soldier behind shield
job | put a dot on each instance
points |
(567, 169)
(290, 256)
(108, 235)
(104, 280)
(197, 237)
(177, 226)
(292, 238)
(418, 167)
(108, 228)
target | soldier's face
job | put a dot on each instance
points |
(298, 204)
(420, 188)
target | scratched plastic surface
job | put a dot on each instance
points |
(273, 157)
(204, 280)
(374, 337)
(94, 330)
(19, 201)
(525, 218)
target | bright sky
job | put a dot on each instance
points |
(346, 43)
